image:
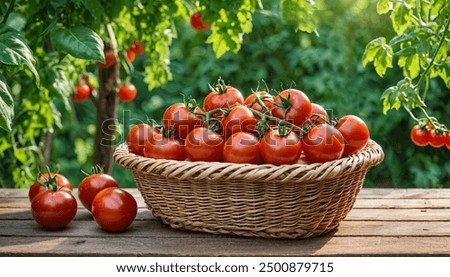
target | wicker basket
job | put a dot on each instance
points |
(289, 201)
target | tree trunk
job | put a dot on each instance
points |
(107, 103)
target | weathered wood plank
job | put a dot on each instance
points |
(226, 246)
(406, 203)
(400, 214)
(404, 193)
(153, 229)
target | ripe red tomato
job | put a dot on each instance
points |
(161, 147)
(54, 209)
(355, 133)
(323, 143)
(93, 184)
(130, 55)
(437, 138)
(203, 144)
(110, 59)
(240, 119)
(114, 209)
(242, 147)
(137, 47)
(138, 135)
(278, 148)
(181, 120)
(41, 184)
(223, 97)
(266, 98)
(420, 135)
(127, 92)
(197, 22)
(292, 105)
(319, 110)
(82, 92)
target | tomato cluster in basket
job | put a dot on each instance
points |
(283, 129)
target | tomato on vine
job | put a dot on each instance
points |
(182, 118)
(323, 143)
(437, 138)
(130, 55)
(114, 209)
(93, 184)
(82, 92)
(239, 119)
(222, 96)
(420, 135)
(355, 133)
(242, 147)
(253, 103)
(41, 183)
(137, 47)
(197, 22)
(292, 105)
(281, 146)
(164, 147)
(203, 144)
(110, 59)
(127, 92)
(138, 135)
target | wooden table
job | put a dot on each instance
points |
(383, 222)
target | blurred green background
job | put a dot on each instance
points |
(326, 66)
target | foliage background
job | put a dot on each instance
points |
(327, 67)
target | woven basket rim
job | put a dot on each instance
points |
(371, 155)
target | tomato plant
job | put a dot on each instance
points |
(93, 184)
(138, 135)
(137, 47)
(163, 147)
(127, 92)
(53, 208)
(222, 96)
(242, 147)
(197, 22)
(292, 105)
(323, 143)
(43, 181)
(355, 133)
(181, 118)
(114, 209)
(203, 144)
(281, 146)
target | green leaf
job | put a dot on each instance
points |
(383, 6)
(93, 6)
(15, 50)
(301, 13)
(372, 49)
(80, 42)
(410, 65)
(380, 53)
(6, 105)
(401, 18)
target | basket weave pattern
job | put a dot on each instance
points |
(288, 201)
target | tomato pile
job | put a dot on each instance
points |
(424, 134)
(286, 128)
(53, 205)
